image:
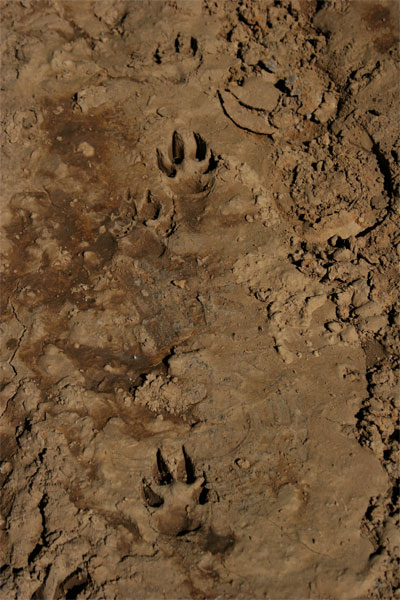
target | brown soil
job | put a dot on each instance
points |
(200, 299)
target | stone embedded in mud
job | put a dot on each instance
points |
(86, 149)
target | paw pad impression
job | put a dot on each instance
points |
(189, 165)
(175, 502)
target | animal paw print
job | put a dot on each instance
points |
(175, 502)
(190, 165)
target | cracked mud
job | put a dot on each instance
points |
(200, 299)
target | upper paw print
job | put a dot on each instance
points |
(189, 166)
(175, 501)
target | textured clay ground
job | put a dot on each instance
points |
(200, 299)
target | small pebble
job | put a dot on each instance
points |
(86, 149)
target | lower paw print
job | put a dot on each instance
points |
(190, 165)
(175, 501)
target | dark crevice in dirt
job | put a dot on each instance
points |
(35, 552)
(12, 398)
(157, 57)
(395, 495)
(38, 594)
(122, 19)
(74, 591)
(204, 496)
(281, 86)
(167, 357)
(26, 426)
(368, 230)
(365, 425)
(77, 582)
(37, 549)
(194, 45)
(19, 341)
(320, 5)
(384, 168)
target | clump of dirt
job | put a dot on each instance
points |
(200, 308)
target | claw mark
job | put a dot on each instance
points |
(189, 467)
(163, 166)
(163, 475)
(191, 162)
(151, 497)
(201, 147)
(178, 150)
(180, 508)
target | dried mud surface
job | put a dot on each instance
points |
(200, 309)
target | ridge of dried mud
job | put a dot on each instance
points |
(200, 299)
